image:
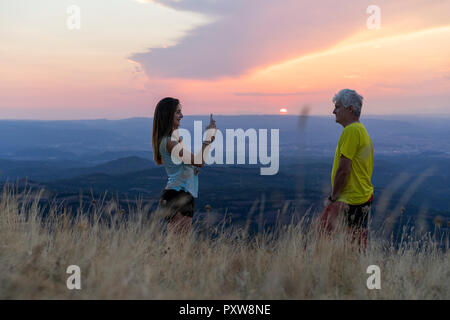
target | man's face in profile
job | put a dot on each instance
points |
(341, 113)
(338, 111)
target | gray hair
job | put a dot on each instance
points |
(347, 98)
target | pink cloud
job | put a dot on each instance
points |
(249, 34)
(255, 33)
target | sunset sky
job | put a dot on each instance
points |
(221, 56)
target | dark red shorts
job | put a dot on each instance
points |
(357, 215)
(177, 201)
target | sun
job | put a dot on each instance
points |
(283, 111)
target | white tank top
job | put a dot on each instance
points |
(180, 176)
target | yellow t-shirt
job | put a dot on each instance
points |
(356, 145)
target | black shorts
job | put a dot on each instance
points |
(358, 215)
(177, 201)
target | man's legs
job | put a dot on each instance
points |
(357, 222)
(354, 218)
(359, 235)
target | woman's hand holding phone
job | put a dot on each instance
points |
(212, 125)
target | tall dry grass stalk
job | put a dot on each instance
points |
(132, 257)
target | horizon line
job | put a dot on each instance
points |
(431, 115)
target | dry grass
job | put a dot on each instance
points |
(133, 258)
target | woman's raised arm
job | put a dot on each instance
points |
(190, 157)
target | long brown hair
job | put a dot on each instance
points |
(162, 124)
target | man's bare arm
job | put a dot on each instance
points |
(341, 177)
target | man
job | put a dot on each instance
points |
(352, 191)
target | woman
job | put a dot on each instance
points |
(182, 185)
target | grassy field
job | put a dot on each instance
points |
(124, 254)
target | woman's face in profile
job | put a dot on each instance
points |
(177, 118)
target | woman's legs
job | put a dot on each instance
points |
(179, 206)
(180, 224)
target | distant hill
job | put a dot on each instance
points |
(54, 170)
(12, 170)
(119, 166)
